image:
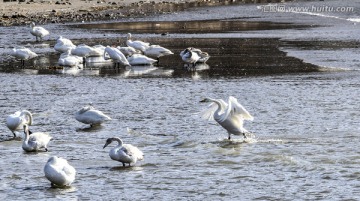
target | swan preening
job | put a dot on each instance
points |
(89, 115)
(38, 32)
(36, 141)
(138, 45)
(59, 172)
(63, 45)
(23, 54)
(17, 120)
(116, 55)
(193, 55)
(67, 59)
(124, 153)
(230, 115)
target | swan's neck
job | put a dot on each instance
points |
(120, 142)
(27, 135)
(219, 109)
(28, 115)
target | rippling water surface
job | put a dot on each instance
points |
(306, 124)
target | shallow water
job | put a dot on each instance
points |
(306, 122)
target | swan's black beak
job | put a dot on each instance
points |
(204, 101)
(105, 145)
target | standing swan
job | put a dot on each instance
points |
(229, 115)
(38, 32)
(89, 115)
(17, 120)
(124, 153)
(59, 172)
(116, 55)
(23, 54)
(35, 141)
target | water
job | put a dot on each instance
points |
(306, 122)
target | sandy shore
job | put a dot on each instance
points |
(58, 11)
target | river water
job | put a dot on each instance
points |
(300, 81)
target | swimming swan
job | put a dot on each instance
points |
(139, 59)
(63, 44)
(229, 115)
(138, 45)
(38, 32)
(124, 153)
(89, 115)
(23, 54)
(116, 55)
(35, 141)
(157, 51)
(17, 120)
(59, 172)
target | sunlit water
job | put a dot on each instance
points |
(305, 146)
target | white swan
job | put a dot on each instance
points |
(128, 51)
(59, 172)
(229, 115)
(204, 56)
(89, 115)
(63, 44)
(38, 32)
(157, 51)
(116, 55)
(124, 153)
(23, 54)
(67, 59)
(35, 141)
(17, 120)
(139, 59)
(138, 45)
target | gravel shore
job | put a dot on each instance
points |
(60, 11)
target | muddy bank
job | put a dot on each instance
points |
(43, 12)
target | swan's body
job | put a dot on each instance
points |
(38, 32)
(35, 141)
(23, 54)
(229, 115)
(138, 45)
(139, 59)
(86, 51)
(89, 115)
(128, 51)
(63, 44)
(156, 51)
(116, 55)
(67, 59)
(124, 153)
(59, 172)
(17, 120)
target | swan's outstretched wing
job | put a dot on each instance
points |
(236, 109)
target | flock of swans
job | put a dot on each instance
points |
(230, 115)
(135, 53)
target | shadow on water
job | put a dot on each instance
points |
(230, 57)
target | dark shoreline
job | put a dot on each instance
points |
(114, 12)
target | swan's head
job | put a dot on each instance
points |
(52, 159)
(108, 141)
(128, 36)
(32, 24)
(206, 100)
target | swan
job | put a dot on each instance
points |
(23, 54)
(63, 44)
(203, 56)
(124, 153)
(35, 141)
(128, 51)
(229, 115)
(59, 172)
(17, 120)
(156, 51)
(38, 32)
(116, 55)
(89, 115)
(139, 59)
(67, 59)
(189, 56)
(138, 45)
